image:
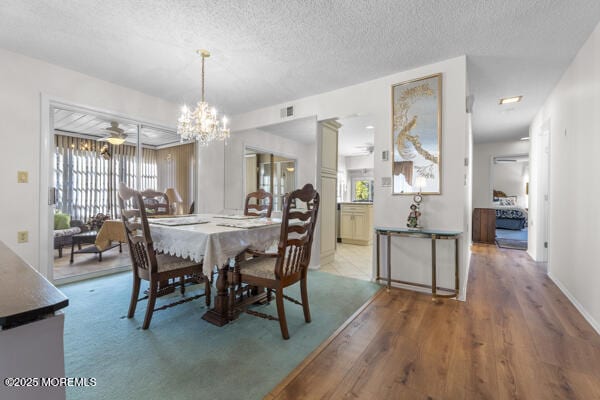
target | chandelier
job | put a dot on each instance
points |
(202, 123)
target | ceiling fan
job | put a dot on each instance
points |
(367, 148)
(116, 135)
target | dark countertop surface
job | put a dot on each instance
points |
(25, 295)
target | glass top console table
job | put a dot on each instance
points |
(433, 235)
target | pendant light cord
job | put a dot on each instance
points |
(203, 57)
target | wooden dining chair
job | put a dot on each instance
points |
(148, 264)
(156, 203)
(290, 264)
(259, 204)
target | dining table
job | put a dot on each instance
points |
(214, 240)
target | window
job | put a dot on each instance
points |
(362, 189)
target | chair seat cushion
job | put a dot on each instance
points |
(260, 267)
(66, 232)
(167, 262)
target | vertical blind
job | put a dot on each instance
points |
(87, 181)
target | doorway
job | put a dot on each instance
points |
(510, 196)
(90, 153)
(355, 186)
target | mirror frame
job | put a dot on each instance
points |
(437, 79)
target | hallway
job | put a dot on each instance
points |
(517, 337)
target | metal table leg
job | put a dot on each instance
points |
(389, 262)
(433, 268)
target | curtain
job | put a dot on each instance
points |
(176, 170)
(404, 168)
(87, 174)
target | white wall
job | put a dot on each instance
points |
(511, 178)
(483, 153)
(411, 256)
(343, 191)
(573, 110)
(22, 81)
(304, 154)
(366, 161)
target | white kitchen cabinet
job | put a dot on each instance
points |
(356, 223)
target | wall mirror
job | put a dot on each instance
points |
(271, 172)
(510, 180)
(416, 136)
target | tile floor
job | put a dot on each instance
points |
(88, 263)
(352, 261)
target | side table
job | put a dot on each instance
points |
(89, 238)
(431, 234)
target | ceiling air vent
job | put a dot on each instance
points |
(287, 112)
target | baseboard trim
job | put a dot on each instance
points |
(91, 275)
(575, 303)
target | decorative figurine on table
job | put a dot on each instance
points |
(413, 217)
(412, 221)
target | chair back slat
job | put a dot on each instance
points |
(302, 216)
(301, 229)
(297, 229)
(259, 204)
(137, 229)
(156, 203)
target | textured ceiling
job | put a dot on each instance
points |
(265, 53)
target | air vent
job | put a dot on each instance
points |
(287, 112)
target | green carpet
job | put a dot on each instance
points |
(183, 357)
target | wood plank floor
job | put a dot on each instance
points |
(517, 337)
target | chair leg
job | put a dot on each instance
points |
(281, 314)
(135, 292)
(304, 294)
(269, 295)
(182, 281)
(151, 303)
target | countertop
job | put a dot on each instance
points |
(25, 295)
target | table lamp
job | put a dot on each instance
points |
(174, 199)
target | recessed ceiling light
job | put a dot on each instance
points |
(508, 100)
(369, 127)
(525, 138)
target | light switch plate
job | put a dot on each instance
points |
(386, 181)
(22, 177)
(22, 236)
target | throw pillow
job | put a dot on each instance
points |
(62, 221)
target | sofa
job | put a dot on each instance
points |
(64, 229)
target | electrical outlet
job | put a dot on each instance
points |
(22, 236)
(22, 177)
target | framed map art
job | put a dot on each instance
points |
(417, 135)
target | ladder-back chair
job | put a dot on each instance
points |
(148, 264)
(259, 204)
(290, 264)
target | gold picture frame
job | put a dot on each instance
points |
(417, 136)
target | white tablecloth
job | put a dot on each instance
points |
(212, 244)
